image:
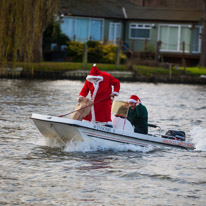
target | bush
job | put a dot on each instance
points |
(97, 52)
(94, 51)
(53, 34)
(109, 53)
(75, 51)
(150, 48)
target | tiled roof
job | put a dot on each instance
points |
(163, 14)
(114, 9)
(98, 8)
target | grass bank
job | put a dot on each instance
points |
(67, 66)
(66, 70)
(142, 70)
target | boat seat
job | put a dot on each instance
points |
(122, 123)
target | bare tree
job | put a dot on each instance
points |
(22, 24)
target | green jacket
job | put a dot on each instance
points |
(139, 118)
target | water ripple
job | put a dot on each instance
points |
(37, 172)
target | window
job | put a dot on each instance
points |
(83, 29)
(196, 39)
(114, 32)
(140, 31)
(96, 29)
(173, 36)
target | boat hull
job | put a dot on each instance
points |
(58, 131)
(65, 130)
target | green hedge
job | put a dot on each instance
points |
(97, 52)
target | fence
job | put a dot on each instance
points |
(155, 52)
(11, 73)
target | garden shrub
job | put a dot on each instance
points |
(150, 48)
(94, 51)
(97, 52)
(109, 52)
(53, 34)
(75, 51)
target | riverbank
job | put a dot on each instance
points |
(74, 71)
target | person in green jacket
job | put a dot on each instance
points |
(138, 115)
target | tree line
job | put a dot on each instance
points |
(22, 24)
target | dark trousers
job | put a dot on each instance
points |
(138, 130)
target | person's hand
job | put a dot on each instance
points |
(113, 95)
(79, 99)
(137, 103)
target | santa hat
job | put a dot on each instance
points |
(134, 98)
(95, 73)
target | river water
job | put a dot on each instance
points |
(36, 172)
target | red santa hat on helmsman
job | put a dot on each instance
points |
(134, 98)
(95, 73)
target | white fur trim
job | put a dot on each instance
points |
(132, 100)
(96, 87)
(94, 77)
(93, 114)
(94, 65)
(117, 93)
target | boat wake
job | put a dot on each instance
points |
(198, 136)
(94, 145)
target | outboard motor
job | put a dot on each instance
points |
(173, 134)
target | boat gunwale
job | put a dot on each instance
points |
(126, 135)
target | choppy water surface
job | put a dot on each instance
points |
(32, 172)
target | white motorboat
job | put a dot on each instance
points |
(65, 130)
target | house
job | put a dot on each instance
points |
(138, 27)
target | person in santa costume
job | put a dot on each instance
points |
(138, 115)
(100, 84)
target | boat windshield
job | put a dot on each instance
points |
(120, 108)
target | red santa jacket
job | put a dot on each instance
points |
(100, 91)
